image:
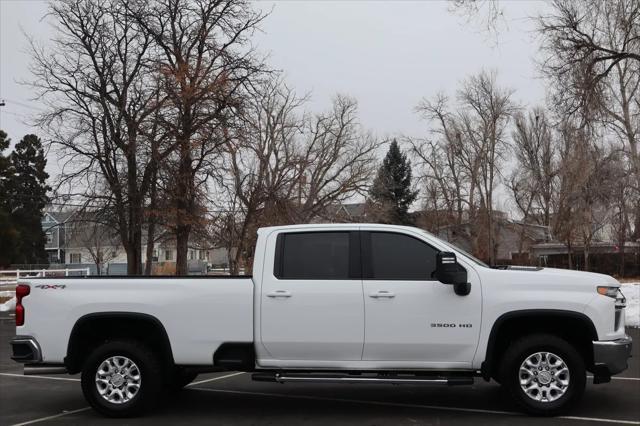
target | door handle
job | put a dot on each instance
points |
(382, 294)
(279, 293)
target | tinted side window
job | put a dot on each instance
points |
(314, 256)
(401, 257)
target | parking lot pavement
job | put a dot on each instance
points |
(232, 398)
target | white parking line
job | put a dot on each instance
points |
(320, 398)
(617, 378)
(70, 379)
(67, 379)
(625, 378)
(55, 416)
(214, 379)
(405, 405)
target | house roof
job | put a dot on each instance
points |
(350, 210)
(60, 217)
(532, 231)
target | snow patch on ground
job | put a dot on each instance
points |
(632, 293)
(7, 293)
(8, 306)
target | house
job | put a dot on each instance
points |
(80, 240)
(55, 224)
(344, 213)
(605, 257)
(513, 239)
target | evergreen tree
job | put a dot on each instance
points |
(23, 194)
(391, 192)
(8, 231)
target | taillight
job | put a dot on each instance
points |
(22, 290)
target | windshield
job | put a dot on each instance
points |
(458, 249)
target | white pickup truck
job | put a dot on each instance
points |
(348, 303)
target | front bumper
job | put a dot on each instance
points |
(610, 356)
(26, 350)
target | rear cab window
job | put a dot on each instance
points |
(317, 255)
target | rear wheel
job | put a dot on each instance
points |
(544, 374)
(122, 379)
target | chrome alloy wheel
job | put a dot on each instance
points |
(544, 377)
(118, 379)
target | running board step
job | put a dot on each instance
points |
(349, 378)
(36, 369)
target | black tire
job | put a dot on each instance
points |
(151, 379)
(179, 379)
(519, 351)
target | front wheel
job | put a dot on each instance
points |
(122, 379)
(544, 374)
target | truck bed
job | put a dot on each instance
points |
(198, 313)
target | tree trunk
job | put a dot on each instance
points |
(182, 249)
(636, 227)
(150, 243)
(586, 257)
(134, 254)
(133, 260)
(151, 230)
(184, 203)
(136, 240)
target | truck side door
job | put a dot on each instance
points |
(413, 320)
(312, 301)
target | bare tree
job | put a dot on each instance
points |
(623, 198)
(96, 81)
(592, 56)
(590, 34)
(262, 163)
(92, 231)
(206, 62)
(487, 13)
(286, 166)
(449, 182)
(471, 142)
(534, 180)
(337, 160)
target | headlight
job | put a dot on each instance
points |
(614, 293)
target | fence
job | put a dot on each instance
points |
(9, 278)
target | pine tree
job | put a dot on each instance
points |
(8, 232)
(23, 191)
(391, 192)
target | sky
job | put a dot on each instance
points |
(386, 54)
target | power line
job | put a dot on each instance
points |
(21, 104)
(94, 206)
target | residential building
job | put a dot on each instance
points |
(513, 239)
(55, 224)
(80, 240)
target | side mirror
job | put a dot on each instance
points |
(449, 272)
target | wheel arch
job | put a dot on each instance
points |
(96, 328)
(529, 321)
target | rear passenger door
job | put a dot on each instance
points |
(312, 301)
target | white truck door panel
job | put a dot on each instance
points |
(311, 310)
(411, 318)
